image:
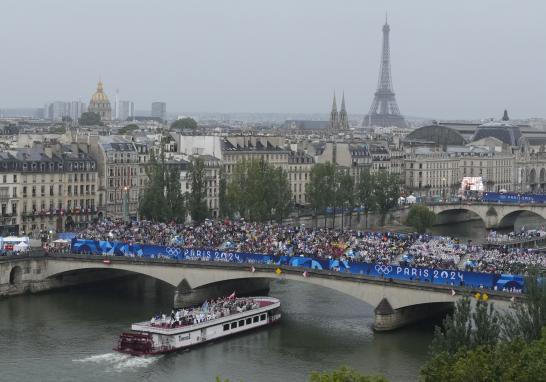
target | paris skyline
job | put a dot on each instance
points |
(461, 60)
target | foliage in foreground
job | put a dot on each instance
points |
(482, 346)
(507, 361)
(343, 374)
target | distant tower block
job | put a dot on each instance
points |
(384, 111)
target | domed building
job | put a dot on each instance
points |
(100, 104)
(504, 131)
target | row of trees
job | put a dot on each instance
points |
(331, 187)
(258, 191)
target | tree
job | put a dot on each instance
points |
(344, 374)
(197, 203)
(320, 192)
(259, 191)
(280, 192)
(385, 193)
(456, 330)
(225, 209)
(528, 317)
(90, 118)
(174, 196)
(345, 191)
(128, 129)
(153, 205)
(421, 218)
(364, 191)
(184, 123)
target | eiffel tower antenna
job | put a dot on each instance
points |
(384, 111)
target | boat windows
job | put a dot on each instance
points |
(249, 321)
(234, 325)
(256, 318)
(262, 317)
(241, 323)
(226, 327)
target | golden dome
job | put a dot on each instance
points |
(99, 95)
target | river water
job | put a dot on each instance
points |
(68, 335)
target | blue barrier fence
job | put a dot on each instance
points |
(399, 272)
(497, 197)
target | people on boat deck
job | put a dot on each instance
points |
(210, 310)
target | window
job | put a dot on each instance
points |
(262, 317)
(255, 319)
(241, 323)
(234, 325)
(249, 321)
(226, 327)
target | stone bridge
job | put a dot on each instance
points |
(493, 215)
(397, 303)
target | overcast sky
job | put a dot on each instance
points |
(450, 59)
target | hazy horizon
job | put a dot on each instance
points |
(461, 60)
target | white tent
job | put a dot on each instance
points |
(411, 199)
(21, 247)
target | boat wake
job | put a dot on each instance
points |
(117, 362)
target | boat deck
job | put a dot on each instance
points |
(167, 328)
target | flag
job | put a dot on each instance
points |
(453, 292)
(485, 297)
(513, 299)
(231, 296)
(478, 295)
(305, 274)
(252, 269)
(205, 306)
(278, 271)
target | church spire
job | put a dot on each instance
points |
(334, 115)
(343, 118)
(505, 115)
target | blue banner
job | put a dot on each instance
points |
(387, 271)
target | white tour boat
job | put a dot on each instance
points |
(193, 326)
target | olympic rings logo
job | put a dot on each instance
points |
(172, 251)
(383, 269)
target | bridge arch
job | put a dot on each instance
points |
(451, 214)
(509, 219)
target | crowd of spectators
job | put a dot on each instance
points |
(277, 239)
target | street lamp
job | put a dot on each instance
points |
(125, 203)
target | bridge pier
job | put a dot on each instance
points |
(185, 296)
(387, 318)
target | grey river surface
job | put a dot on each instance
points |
(68, 335)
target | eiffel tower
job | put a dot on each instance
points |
(384, 111)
